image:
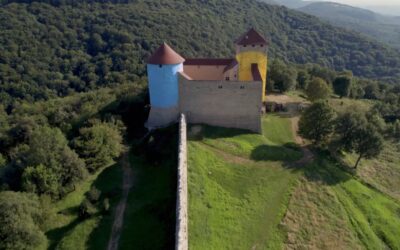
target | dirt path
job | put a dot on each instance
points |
(307, 154)
(120, 210)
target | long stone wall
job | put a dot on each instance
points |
(181, 242)
(234, 104)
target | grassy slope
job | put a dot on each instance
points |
(68, 231)
(237, 203)
(237, 192)
(149, 221)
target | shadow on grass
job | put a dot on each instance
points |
(109, 183)
(57, 234)
(287, 153)
(325, 169)
(198, 132)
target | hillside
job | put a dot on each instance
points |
(243, 196)
(380, 27)
(54, 50)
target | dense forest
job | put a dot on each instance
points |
(54, 48)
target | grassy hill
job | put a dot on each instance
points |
(55, 48)
(245, 202)
(380, 27)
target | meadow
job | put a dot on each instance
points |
(239, 201)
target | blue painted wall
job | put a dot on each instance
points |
(163, 84)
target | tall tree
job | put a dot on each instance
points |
(98, 144)
(318, 89)
(342, 86)
(20, 220)
(357, 135)
(316, 123)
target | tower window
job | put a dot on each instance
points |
(227, 78)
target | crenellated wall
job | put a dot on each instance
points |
(232, 104)
(182, 234)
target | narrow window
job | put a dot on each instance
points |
(220, 86)
(242, 87)
(227, 78)
(160, 65)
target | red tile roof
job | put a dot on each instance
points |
(165, 55)
(255, 72)
(229, 63)
(208, 61)
(251, 37)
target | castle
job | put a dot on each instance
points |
(219, 92)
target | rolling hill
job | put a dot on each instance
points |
(380, 27)
(55, 48)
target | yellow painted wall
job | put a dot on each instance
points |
(245, 59)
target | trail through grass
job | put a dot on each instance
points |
(238, 198)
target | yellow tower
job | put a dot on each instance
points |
(251, 53)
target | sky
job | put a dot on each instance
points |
(368, 2)
(387, 7)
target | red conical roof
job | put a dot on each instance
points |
(165, 55)
(251, 37)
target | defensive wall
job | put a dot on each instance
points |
(181, 233)
(232, 104)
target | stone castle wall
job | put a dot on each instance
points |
(182, 234)
(232, 104)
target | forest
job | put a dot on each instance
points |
(73, 86)
(54, 48)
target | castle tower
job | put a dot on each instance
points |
(251, 51)
(162, 69)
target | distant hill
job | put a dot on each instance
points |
(293, 4)
(66, 46)
(381, 27)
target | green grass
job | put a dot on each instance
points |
(70, 232)
(277, 144)
(149, 221)
(238, 201)
(238, 191)
(368, 218)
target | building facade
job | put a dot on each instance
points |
(219, 92)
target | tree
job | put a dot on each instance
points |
(51, 166)
(20, 220)
(368, 143)
(316, 123)
(342, 86)
(98, 145)
(318, 89)
(357, 135)
(303, 79)
(282, 77)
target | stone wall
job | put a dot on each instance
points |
(181, 242)
(234, 104)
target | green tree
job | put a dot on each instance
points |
(318, 89)
(303, 79)
(316, 123)
(52, 167)
(282, 77)
(98, 145)
(342, 86)
(20, 220)
(357, 135)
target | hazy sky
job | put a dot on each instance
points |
(368, 2)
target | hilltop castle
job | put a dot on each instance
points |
(219, 92)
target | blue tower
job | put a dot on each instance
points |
(163, 74)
